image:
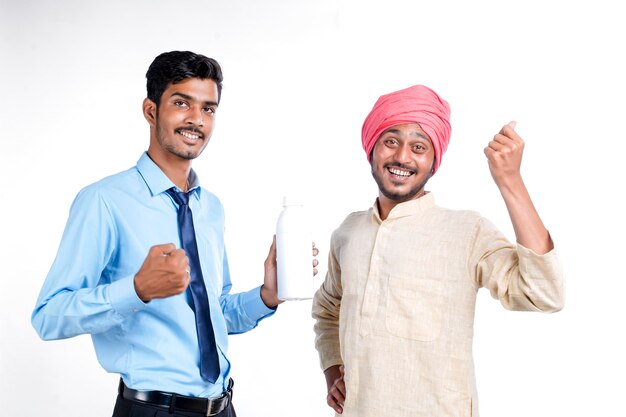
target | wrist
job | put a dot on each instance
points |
(140, 293)
(511, 184)
(269, 297)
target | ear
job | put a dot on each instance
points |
(150, 111)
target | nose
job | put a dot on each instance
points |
(196, 116)
(403, 153)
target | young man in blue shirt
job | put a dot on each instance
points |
(121, 275)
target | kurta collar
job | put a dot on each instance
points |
(408, 208)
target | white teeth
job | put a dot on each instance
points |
(399, 172)
(189, 135)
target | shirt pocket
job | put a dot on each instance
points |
(414, 308)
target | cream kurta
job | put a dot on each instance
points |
(397, 305)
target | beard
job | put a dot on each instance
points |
(397, 196)
(161, 136)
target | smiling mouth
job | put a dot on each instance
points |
(190, 134)
(400, 172)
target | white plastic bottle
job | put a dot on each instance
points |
(294, 252)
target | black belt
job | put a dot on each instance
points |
(206, 406)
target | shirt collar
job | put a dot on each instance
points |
(158, 182)
(408, 208)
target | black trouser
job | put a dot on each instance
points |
(129, 408)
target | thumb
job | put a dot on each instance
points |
(273, 247)
(512, 124)
(163, 249)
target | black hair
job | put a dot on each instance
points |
(175, 66)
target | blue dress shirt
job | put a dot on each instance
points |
(90, 286)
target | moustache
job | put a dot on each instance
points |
(399, 165)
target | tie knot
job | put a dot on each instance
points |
(181, 198)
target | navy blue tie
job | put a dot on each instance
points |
(209, 361)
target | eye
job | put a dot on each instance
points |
(419, 148)
(180, 103)
(391, 142)
(209, 109)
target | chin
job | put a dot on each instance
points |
(401, 196)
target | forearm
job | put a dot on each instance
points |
(63, 313)
(325, 311)
(530, 231)
(244, 311)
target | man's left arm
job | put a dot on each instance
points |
(504, 154)
(531, 278)
(245, 310)
(242, 311)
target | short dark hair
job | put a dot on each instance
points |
(175, 66)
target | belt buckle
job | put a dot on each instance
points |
(209, 407)
(226, 398)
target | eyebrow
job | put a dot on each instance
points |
(397, 131)
(190, 98)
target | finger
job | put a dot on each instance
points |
(509, 131)
(333, 404)
(504, 138)
(178, 259)
(508, 127)
(178, 254)
(496, 146)
(315, 262)
(502, 143)
(341, 387)
(186, 265)
(338, 396)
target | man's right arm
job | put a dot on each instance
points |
(79, 296)
(76, 297)
(326, 306)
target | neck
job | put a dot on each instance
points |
(386, 204)
(174, 168)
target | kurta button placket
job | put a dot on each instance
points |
(372, 290)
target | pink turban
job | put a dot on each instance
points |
(417, 104)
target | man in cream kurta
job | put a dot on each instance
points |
(396, 310)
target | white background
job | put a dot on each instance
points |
(300, 77)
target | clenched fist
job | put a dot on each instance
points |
(504, 154)
(165, 272)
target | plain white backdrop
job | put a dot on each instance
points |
(300, 77)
